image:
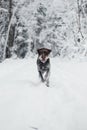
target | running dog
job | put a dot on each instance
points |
(43, 65)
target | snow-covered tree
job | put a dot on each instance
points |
(26, 23)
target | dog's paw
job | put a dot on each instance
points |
(47, 84)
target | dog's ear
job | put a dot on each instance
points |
(38, 51)
(49, 51)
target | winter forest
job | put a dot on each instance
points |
(49, 91)
(25, 23)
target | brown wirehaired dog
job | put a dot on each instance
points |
(43, 65)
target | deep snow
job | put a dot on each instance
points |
(27, 104)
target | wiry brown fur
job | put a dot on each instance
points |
(43, 65)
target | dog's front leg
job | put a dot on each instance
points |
(47, 74)
(41, 76)
(47, 77)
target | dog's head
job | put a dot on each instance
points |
(43, 54)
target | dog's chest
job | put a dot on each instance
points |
(43, 66)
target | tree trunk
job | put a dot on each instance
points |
(79, 18)
(0, 4)
(10, 9)
(11, 32)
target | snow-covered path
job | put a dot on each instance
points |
(27, 104)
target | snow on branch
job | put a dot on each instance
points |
(3, 9)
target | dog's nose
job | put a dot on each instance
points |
(43, 57)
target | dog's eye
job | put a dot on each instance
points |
(40, 52)
(46, 53)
